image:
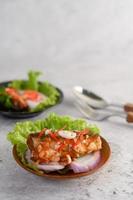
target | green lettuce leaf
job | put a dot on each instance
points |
(5, 100)
(52, 94)
(33, 80)
(18, 136)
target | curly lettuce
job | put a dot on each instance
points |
(18, 136)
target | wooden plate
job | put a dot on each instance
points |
(26, 114)
(105, 154)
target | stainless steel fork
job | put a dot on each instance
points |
(96, 115)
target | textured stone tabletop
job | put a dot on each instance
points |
(88, 43)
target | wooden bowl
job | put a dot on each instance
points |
(105, 154)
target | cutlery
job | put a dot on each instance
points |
(98, 102)
(96, 115)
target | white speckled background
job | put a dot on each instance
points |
(88, 43)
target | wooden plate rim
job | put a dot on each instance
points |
(105, 155)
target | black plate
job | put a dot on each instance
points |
(26, 114)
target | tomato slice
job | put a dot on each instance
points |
(54, 137)
(42, 133)
(32, 95)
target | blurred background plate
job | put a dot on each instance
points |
(26, 114)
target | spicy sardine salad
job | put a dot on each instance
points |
(57, 143)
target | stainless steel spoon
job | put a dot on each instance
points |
(98, 102)
(96, 115)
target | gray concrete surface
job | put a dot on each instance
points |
(88, 43)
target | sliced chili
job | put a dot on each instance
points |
(61, 147)
(42, 133)
(54, 136)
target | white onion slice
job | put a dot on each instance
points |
(53, 166)
(67, 134)
(85, 163)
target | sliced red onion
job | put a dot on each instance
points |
(85, 163)
(82, 164)
(53, 166)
